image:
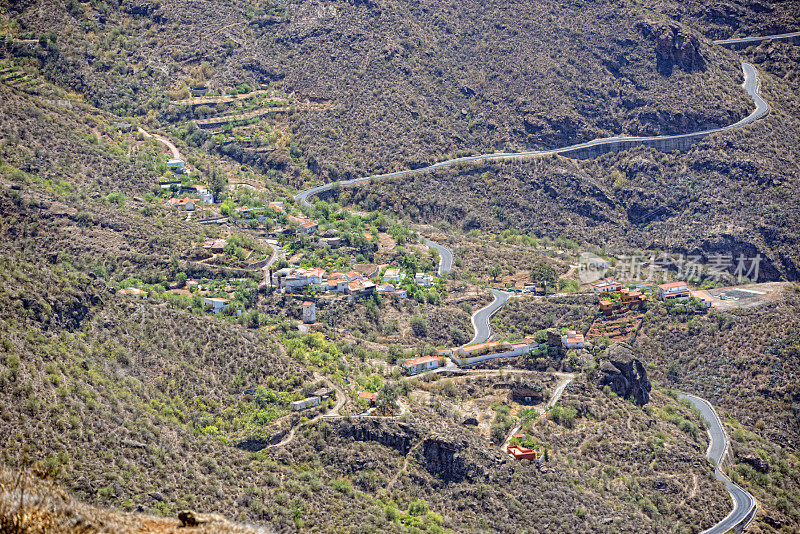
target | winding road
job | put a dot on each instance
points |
(445, 256)
(480, 319)
(164, 141)
(751, 86)
(744, 504)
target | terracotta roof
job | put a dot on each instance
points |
(358, 285)
(308, 303)
(572, 336)
(421, 359)
(672, 285)
(479, 346)
(368, 395)
(132, 291)
(180, 201)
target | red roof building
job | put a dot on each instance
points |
(422, 363)
(521, 453)
(368, 396)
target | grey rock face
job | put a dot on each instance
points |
(625, 374)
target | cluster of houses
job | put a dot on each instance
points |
(632, 298)
(629, 299)
(353, 282)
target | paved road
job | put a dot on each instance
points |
(751, 85)
(744, 504)
(480, 319)
(748, 40)
(445, 256)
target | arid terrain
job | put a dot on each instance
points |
(205, 327)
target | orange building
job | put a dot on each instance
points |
(521, 453)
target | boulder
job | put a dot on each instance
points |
(625, 374)
(189, 518)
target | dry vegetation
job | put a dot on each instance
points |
(140, 405)
(405, 85)
(746, 363)
(731, 193)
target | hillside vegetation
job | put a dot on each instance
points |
(403, 85)
(732, 192)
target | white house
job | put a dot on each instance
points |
(176, 165)
(391, 275)
(573, 340)
(309, 312)
(423, 363)
(423, 279)
(385, 288)
(305, 404)
(206, 196)
(217, 304)
(186, 204)
(607, 285)
(674, 290)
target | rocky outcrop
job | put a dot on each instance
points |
(397, 435)
(453, 456)
(625, 374)
(674, 47)
(446, 459)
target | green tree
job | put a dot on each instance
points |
(419, 325)
(544, 273)
(387, 398)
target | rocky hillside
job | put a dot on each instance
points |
(402, 85)
(732, 193)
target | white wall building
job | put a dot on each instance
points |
(309, 312)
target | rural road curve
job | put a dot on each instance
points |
(445, 256)
(744, 504)
(480, 319)
(751, 86)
